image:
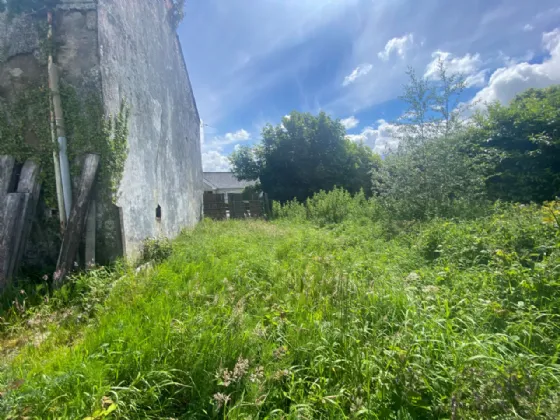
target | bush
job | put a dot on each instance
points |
(156, 249)
(434, 178)
(328, 208)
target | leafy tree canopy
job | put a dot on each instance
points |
(305, 154)
(526, 137)
(432, 173)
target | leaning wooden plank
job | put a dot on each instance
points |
(10, 236)
(7, 180)
(29, 182)
(77, 220)
(7, 166)
(90, 235)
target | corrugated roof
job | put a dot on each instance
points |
(222, 180)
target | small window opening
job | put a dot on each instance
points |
(158, 213)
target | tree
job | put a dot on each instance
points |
(305, 154)
(433, 105)
(525, 138)
(432, 173)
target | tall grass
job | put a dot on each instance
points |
(452, 319)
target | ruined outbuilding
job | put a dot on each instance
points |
(124, 50)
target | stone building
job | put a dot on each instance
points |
(124, 49)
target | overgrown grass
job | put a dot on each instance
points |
(290, 320)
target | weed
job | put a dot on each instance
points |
(250, 319)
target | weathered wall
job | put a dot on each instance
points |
(21, 62)
(23, 65)
(141, 61)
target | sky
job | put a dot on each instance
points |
(251, 62)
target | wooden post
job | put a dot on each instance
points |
(7, 178)
(90, 235)
(7, 183)
(267, 208)
(11, 234)
(77, 220)
(28, 183)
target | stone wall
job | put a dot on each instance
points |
(141, 61)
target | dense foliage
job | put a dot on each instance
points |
(448, 319)
(25, 133)
(525, 138)
(446, 166)
(303, 155)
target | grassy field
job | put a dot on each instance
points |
(286, 319)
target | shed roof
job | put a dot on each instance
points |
(225, 180)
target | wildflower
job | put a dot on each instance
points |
(221, 399)
(430, 289)
(257, 375)
(357, 405)
(239, 308)
(241, 368)
(260, 331)
(225, 376)
(280, 352)
(413, 277)
(278, 375)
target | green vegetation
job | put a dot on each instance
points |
(25, 133)
(400, 288)
(525, 139)
(446, 319)
(90, 131)
(303, 155)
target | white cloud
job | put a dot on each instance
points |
(214, 161)
(382, 139)
(361, 70)
(467, 65)
(528, 28)
(350, 122)
(397, 45)
(217, 143)
(507, 82)
(239, 135)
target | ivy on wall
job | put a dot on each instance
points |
(25, 134)
(89, 131)
(25, 130)
(34, 7)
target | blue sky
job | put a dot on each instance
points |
(253, 61)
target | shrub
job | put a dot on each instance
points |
(328, 208)
(156, 249)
